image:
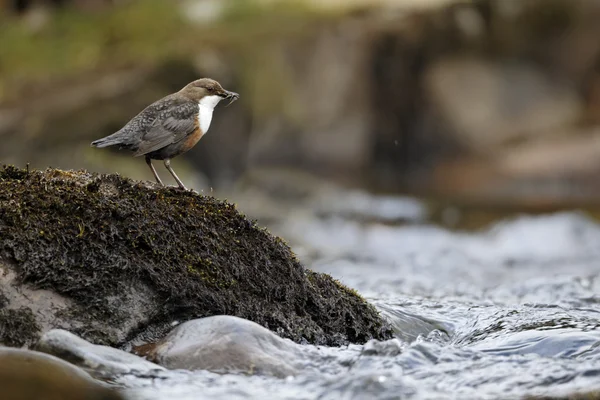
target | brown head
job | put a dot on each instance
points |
(206, 87)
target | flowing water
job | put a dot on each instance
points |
(506, 312)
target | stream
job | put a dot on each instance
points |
(504, 312)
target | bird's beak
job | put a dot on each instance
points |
(231, 96)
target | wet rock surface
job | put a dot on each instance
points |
(30, 375)
(227, 344)
(222, 344)
(100, 361)
(125, 260)
(219, 344)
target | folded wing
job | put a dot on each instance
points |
(170, 126)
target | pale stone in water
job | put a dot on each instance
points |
(228, 344)
(95, 359)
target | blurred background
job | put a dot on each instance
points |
(490, 106)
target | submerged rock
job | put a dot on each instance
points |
(99, 361)
(29, 375)
(111, 260)
(226, 344)
(221, 344)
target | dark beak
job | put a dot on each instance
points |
(231, 96)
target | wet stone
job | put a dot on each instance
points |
(30, 375)
(100, 361)
(227, 344)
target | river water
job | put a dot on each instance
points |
(505, 312)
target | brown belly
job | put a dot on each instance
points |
(175, 149)
(191, 140)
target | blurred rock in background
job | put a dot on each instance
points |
(490, 102)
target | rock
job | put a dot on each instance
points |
(486, 104)
(574, 154)
(30, 375)
(292, 125)
(122, 260)
(226, 344)
(97, 360)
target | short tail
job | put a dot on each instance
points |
(108, 141)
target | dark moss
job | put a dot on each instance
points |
(18, 327)
(90, 237)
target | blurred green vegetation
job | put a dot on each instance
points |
(73, 41)
(139, 33)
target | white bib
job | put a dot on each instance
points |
(206, 105)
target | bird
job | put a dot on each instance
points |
(170, 126)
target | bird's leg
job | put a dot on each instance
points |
(149, 162)
(168, 166)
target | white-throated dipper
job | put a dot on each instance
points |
(172, 125)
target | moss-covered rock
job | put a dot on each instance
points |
(126, 259)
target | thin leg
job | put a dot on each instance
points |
(149, 162)
(168, 165)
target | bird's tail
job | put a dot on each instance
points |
(110, 140)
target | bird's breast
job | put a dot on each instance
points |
(205, 113)
(191, 140)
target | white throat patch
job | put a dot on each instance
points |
(206, 105)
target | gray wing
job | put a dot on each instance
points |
(169, 127)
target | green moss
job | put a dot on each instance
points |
(91, 237)
(18, 327)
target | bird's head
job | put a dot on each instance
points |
(208, 92)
